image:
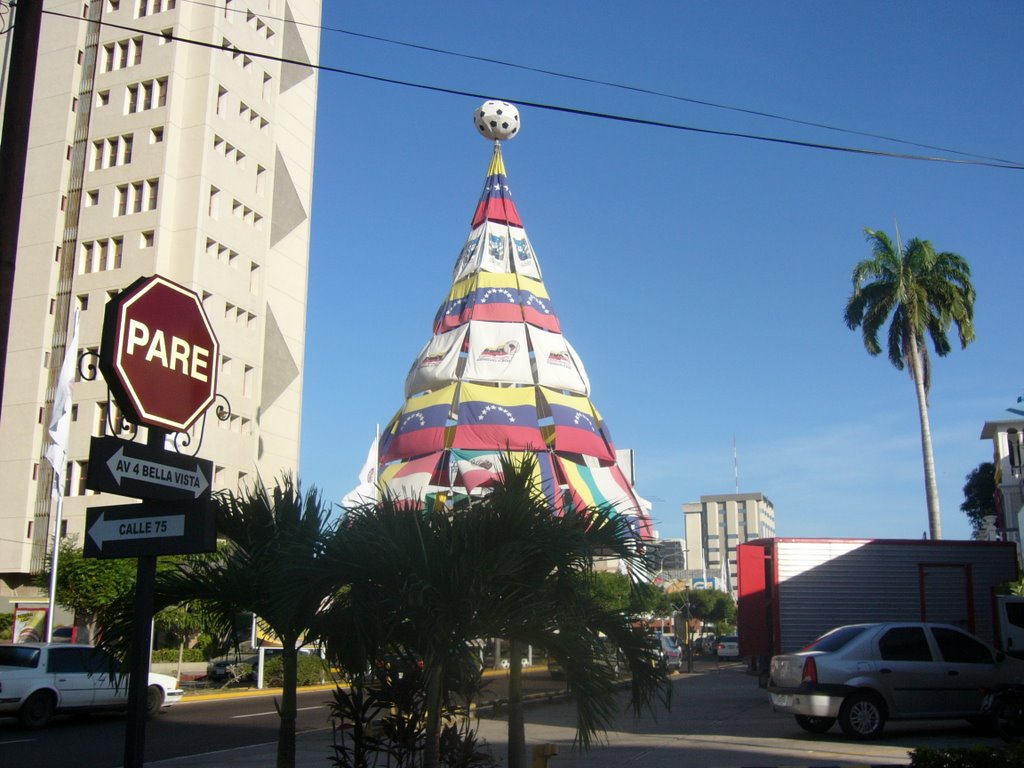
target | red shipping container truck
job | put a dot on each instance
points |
(792, 591)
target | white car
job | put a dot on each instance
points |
(38, 680)
(673, 653)
(728, 647)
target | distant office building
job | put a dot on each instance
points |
(716, 525)
(149, 154)
(672, 555)
(668, 560)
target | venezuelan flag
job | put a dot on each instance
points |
(489, 296)
(496, 200)
(497, 418)
(577, 426)
(452, 312)
(420, 427)
(496, 298)
(537, 307)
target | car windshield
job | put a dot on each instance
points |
(836, 639)
(729, 639)
(18, 656)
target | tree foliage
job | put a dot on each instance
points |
(980, 494)
(86, 585)
(711, 606)
(502, 565)
(615, 591)
(924, 292)
(267, 565)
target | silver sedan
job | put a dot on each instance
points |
(865, 674)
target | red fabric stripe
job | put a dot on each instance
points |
(501, 210)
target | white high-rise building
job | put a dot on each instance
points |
(151, 154)
(716, 526)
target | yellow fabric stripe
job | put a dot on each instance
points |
(497, 164)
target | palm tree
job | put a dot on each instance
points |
(558, 608)
(501, 566)
(417, 584)
(271, 542)
(924, 292)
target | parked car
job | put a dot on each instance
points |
(866, 674)
(504, 662)
(232, 665)
(671, 652)
(242, 665)
(727, 647)
(63, 635)
(38, 680)
(660, 659)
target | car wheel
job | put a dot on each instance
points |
(815, 724)
(38, 709)
(154, 700)
(862, 716)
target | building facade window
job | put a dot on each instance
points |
(101, 255)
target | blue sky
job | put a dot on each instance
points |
(702, 279)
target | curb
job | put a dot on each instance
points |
(543, 697)
(241, 693)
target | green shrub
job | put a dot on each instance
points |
(978, 756)
(6, 625)
(310, 671)
(168, 655)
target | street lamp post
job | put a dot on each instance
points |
(689, 628)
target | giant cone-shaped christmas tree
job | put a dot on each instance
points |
(499, 377)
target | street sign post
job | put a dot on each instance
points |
(142, 472)
(160, 357)
(150, 528)
(159, 354)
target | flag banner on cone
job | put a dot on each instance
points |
(498, 377)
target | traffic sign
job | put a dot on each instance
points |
(150, 528)
(145, 472)
(159, 354)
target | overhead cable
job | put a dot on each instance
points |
(609, 84)
(235, 50)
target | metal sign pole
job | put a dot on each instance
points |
(138, 663)
(142, 641)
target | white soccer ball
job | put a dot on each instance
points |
(497, 120)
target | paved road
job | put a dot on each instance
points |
(719, 719)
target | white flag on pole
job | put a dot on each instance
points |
(366, 491)
(60, 420)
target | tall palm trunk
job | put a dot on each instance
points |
(516, 724)
(434, 702)
(288, 709)
(930, 486)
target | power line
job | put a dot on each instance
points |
(609, 84)
(556, 108)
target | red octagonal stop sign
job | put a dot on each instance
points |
(159, 354)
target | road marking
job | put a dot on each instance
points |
(273, 712)
(19, 741)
